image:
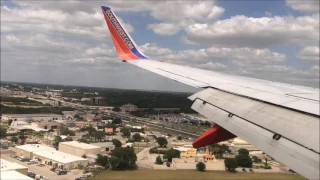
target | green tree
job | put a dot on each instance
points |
(9, 122)
(171, 153)
(243, 151)
(225, 148)
(65, 131)
(14, 139)
(98, 135)
(84, 156)
(244, 160)
(162, 141)
(56, 142)
(256, 159)
(83, 140)
(159, 160)
(201, 166)
(76, 116)
(179, 138)
(123, 158)
(125, 132)
(137, 137)
(102, 160)
(116, 109)
(231, 164)
(116, 121)
(116, 143)
(3, 132)
(218, 150)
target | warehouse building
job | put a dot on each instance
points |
(59, 159)
(29, 149)
(106, 146)
(11, 166)
(13, 175)
(79, 149)
(31, 117)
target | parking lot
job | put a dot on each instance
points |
(45, 171)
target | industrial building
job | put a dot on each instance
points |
(106, 146)
(79, 149)
(129, 107)
(28, 150)
(31, 117)
(11, 166)
(60, 159)
(98, 100)
(13, 175)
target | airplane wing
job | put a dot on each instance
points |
(280, 119)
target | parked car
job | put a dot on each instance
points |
(20, 158)
(31, 174)
(60, 171)
(85, 171)
(33, 161)
(25, 159)
(41, 165)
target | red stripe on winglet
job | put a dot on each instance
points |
(214, 135)
(117, 37)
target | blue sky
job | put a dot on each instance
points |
(67, 42)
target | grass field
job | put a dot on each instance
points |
(189, 175)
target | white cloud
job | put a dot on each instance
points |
(181, 10)
(315, 68)
(164, 28)
(242, 31)
(212, 66)
(89, 25)
(154, 50)
(305, 6)
(309, 53)
(240, 56)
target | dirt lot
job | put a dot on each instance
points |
(148, 174)
(44, 171)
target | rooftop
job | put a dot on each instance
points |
(14, 175)
(59, 156)
(129, 105)
(28, 115)
(103, 144)
(79, 145)
(34, 147)
(38, 129)
(7, 165)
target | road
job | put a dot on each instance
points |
(164, 127)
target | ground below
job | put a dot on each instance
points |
(148, 174)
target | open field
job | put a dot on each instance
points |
(189, 174)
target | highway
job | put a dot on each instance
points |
(146, 121)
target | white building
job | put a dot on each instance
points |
(11, 166)
(60, 159)
(79, 149)
(129, 107)
(107, 146)
(28, 150)
(31, 117)
(47, 101)
(13, 175)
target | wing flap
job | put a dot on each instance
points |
(295, 126)
(299, 158)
